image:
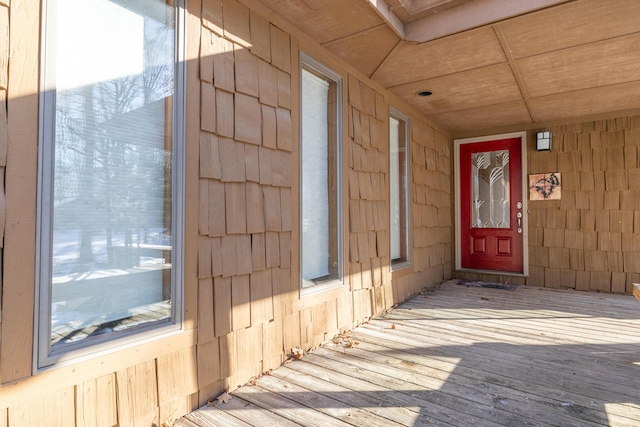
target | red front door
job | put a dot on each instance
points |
(491, 222)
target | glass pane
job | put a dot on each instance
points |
(111, 233)
(394, 184)
(490, 198)
(398, 190)
(318, 220)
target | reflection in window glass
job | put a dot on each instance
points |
(107, 207)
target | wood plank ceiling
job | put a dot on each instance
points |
(489, 63)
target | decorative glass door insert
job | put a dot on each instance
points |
(490, 197)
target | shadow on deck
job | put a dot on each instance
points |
(461, 356)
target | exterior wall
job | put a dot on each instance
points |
(4, 77)
(432, 209)
(243, 309)
(588, 240)
(256, 174)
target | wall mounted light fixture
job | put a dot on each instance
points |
(543, 141)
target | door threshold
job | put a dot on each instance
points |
(497, 273)
(490, 285)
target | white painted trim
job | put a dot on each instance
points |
(44, 356)
(310, 63)
(525, 198)
(386, 13)
(398, 115)
(470, 15)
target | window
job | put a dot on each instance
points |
(398, 191)
(320, 186)
(110, 202)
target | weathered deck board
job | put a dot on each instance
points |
(520, 385)
(485, 333)
(519, 372)
(254, 414)
(286, 408)
(462, 356)
(398, 411)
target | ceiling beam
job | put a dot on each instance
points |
(515, 70)
(386, 13)
(433, 6)
(470, 15)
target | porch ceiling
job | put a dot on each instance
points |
(489, 63)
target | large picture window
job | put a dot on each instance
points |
(398, 191)
(110, 204)
(321, 189)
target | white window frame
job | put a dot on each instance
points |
(403, 119)
(43, 359)
(311, 64)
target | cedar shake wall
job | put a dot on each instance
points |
(432, 182)
(245, 286)
(243, 310)
(247, 213)
(590, 239)
(4, 77)
(368, 225)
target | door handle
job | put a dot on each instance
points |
(519, 216)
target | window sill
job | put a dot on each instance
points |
(57, 377)
(401, 270)
(319, 294)
(105, 350)
(400, 266)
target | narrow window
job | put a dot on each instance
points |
(398, 192)
(110, 174)
(320, 187)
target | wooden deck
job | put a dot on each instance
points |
(461, 356)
